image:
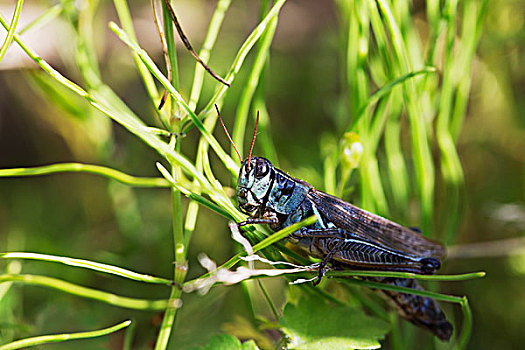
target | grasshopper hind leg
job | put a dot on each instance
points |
(421, 311)
(326, 260)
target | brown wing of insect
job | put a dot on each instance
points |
(374, 228)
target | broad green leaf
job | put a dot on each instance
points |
(228, 342)
(313, 324)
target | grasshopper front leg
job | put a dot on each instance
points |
(268, 218)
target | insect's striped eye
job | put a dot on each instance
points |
(261, 168)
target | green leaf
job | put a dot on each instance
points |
(228, 342)
(313, 324)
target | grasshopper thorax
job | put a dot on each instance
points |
(254, 183)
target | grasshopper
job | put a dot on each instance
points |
(344, 235)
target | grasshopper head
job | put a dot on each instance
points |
(253, 185)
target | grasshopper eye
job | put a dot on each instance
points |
(261, 168)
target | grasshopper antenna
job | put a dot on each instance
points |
(253, 140)
(227, 134)
(186, 42)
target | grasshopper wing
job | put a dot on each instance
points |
(374, 228)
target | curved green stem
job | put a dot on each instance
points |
(12, 28)
(88, 293)
(55, 338)
(87, 168)
(86, 264)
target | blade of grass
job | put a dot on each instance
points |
(474, 14)
(396, 162)
(239, 59)
(245, 101)
(172, 66)
(423, 293)
(386, 89)
(458, 277)
(88, 293)
(128, 336)
(127, 23)
(180, 267)
(12, 29)
(343, 275)
(56, 338)
(86, 168)
(207, 46)
(87, 264)
(47, 16)
(466, 324)
(164, 116)
(450, 163)
(424, 167)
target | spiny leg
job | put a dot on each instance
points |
(327, 259)
(321, 233)
(251, 221)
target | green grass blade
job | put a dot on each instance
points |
(87, 264)
(128, 336)
(450, 163)
(474, 13)
(47, 16)
(466, 325)
(12, 29)
(458, 277)
(241, 56)
(204, 54)
(386, 89)
(423, 293)
(243, 108)
(421, 153)
(88, 293)
(86, 168)
(170, 42)
(56, 338)
(171, 114)
(127, 23)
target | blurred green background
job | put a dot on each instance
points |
(89, 217)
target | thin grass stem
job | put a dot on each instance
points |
(87, 264)
(57, 338)
(12, 29)
(88, 293)
(110, 173)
